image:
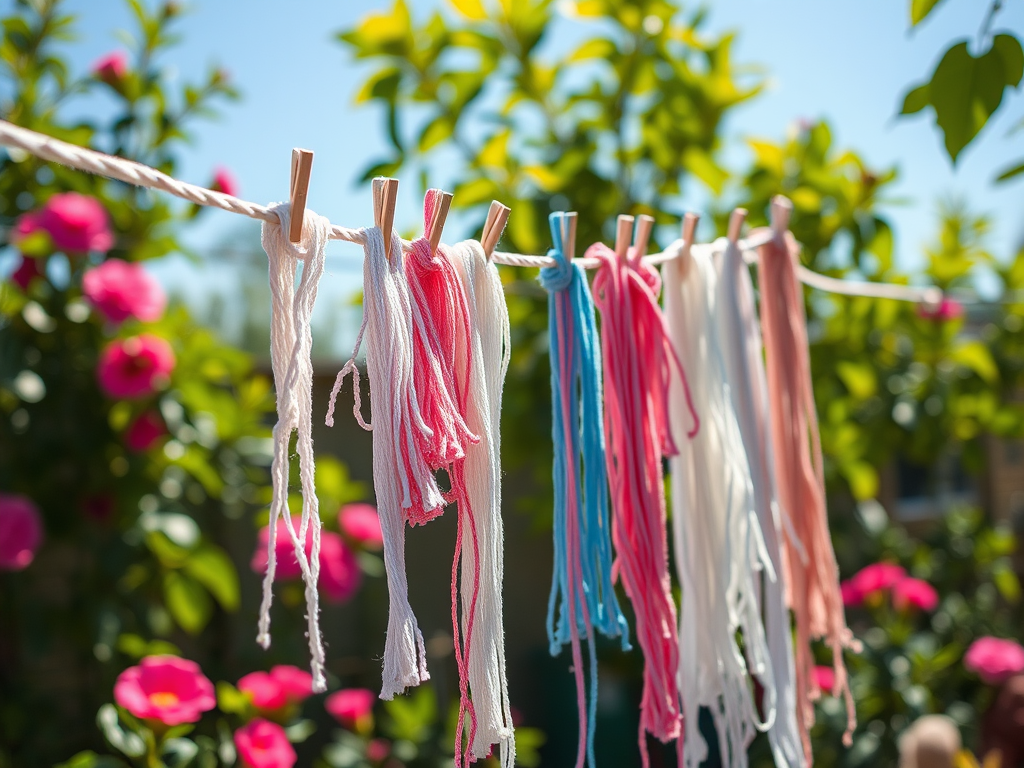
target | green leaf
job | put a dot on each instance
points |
(90, 759)
(137, 647)
(439, 129)
(976, 356)
(863, 479)
(919, 10)
(528, 744)
(1010, 173)
(915, 100)
(211, 567)
(189, 604)
(232, 701)
(300, 730)
(701, 165)
(1006, 581)
(597, 48)
(127, 742)
(965, 91)
(471, 9)
(859, 378)
(411, 716)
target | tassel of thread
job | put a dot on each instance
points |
(291, 343)
(442, 326)
(737, 319)
(581, 584)
(813, 582)
(638, 358)
(719, 553)
(486, 353)
(400, 471)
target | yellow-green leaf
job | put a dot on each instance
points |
(863, 479)
(976, 356)
(471, 9)
(211, 567)
(700, 164)
(544, 177)
(859, 379)
(598, 48)
(919, 10)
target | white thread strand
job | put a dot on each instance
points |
(490, 350)
(291, 343)
(742, 349)
(719, 552)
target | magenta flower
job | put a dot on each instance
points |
(870, 581)
(361, 523)
(76, 223)
(21, 531)
(948, 309)
(994, 659)
(352, 707)
(282, 686)
(120, 290)
(262, 744)
(27, 271)
(145, 432)
(111, 68)
(914, 593)
(135, 367)
(340, 576)
(287, 564)
(377, 750)
(165, 688)
(224, 181)
(825, 678)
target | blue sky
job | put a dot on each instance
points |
(847, 60)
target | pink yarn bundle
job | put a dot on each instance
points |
(638, 362)
(812, 576)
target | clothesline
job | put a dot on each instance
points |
(131, 172)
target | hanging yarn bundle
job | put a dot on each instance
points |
(737, 319)
(812, 581)
(719, 553)
(581, 585)
(401, 473)
(291, 344)
(484, 354)
(638, 360)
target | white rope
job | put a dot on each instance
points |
(131, 172)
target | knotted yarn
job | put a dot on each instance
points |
(744, 366)
(719, 552)
(291, 343)
(638, 362)
(582, 593)
(486, 354)
(813, 581)
(400, 471)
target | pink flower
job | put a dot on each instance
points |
(111, 68)
(948, 309)
(377, 750)
(870, 581)
(914, 593)
(21, 531)
(282, 686)
(262, 744)
(825, 678)
(340, 576)
(994, 660)
(76, 223)
(120, 290)
(165, 688)
(26, 272)
(135, 367)
(352, 707)
(224, 181)
(145, 432)
(361, 524)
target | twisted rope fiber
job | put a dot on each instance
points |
(813, 582)
(291, 343)
(489, 346)
(745, 376)
(638, 364)
(581, 583)
(719, 552)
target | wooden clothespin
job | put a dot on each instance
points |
(689, 231)
(623, 235)
(736, 224)
(497, 218)
(385, 199)
(302, 164)
(780, 210)
(569, 235)
(644, 226)
(444, 202)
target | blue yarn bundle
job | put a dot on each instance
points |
(575, 353)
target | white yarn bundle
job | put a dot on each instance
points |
(397, 466)
(291, 342)
(745, 374)
(718, 546)
(490, 347)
